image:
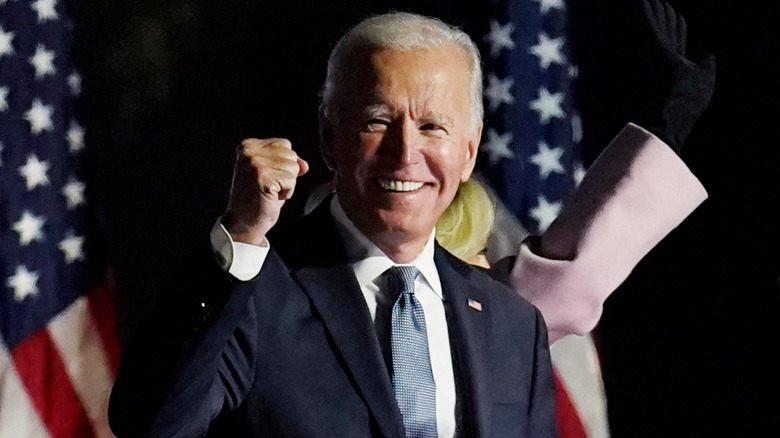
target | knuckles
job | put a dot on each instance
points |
(275, 153)
(274, 164)
(255, 145)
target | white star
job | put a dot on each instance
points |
(548, 50)
(39, 116)
(547, 105)
(546, 5)
(545, 212)
(548, 160)
(6, 48)
(43, 61)
(75, 137)
(74, 82)
(34, 172)
(498, 91)
(45, 9)
(500, 37)
(29, 228)
(579, 174)
(497, 146)
(3, 98)
(72, 247)
(74, 193)
(23, 282)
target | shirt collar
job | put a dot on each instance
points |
(371, 262)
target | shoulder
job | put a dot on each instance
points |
(311, 240)
(513, 325)
(485, 284)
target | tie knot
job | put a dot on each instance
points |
(400, 279)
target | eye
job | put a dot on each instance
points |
(376, 125)
(433, 128)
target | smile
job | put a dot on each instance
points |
(399, 186)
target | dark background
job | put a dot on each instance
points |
(689, 343)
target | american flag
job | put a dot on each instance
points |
(58, 349)
(530, 154)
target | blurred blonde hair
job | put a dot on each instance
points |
(464, 227)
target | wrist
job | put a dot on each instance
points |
(244, 232)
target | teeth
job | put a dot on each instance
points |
(399, 186)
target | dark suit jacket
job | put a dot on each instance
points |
(294, 352)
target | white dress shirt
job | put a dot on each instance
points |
(244, 262)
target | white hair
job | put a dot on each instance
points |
(402, 31)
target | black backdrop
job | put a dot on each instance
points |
(689, 343)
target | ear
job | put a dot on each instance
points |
(471, 153)
(326, 140)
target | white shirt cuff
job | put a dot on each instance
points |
(241, 260)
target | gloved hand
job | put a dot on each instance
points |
(684, 87)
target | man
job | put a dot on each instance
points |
(352, 321)
(294, 350)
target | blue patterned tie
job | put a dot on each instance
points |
(413, 382)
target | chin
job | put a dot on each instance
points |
(411, 225)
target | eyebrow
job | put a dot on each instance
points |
(380, 109)
(377, 110)
(439, 119)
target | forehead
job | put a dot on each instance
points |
(433, 74)
(426, 64)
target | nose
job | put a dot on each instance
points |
(403, 144)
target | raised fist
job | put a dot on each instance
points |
(264, 178)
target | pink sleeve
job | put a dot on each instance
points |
(636, 192)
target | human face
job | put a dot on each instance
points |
(401, 143)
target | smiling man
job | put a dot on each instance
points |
(352, 321)
(401, 141)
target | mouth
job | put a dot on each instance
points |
(398, 185)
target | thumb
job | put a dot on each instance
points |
(303, 166)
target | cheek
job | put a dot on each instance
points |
(452, 166)
(354, 156)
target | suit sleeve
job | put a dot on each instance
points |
(636, 192)
(191, 359)
(542, 406)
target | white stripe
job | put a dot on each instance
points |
(17, 415)
(81, 349)
(577, 363)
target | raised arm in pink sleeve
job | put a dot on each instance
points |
(636, 192)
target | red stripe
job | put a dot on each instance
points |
(569, 423)
(102, 306)
(43, 374)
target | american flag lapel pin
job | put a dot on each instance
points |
(474, 304)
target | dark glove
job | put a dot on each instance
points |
(684, 87)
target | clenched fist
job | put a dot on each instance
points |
(263, 179)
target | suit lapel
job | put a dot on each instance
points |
(318, 262)
(319, 265)
(469, 341)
